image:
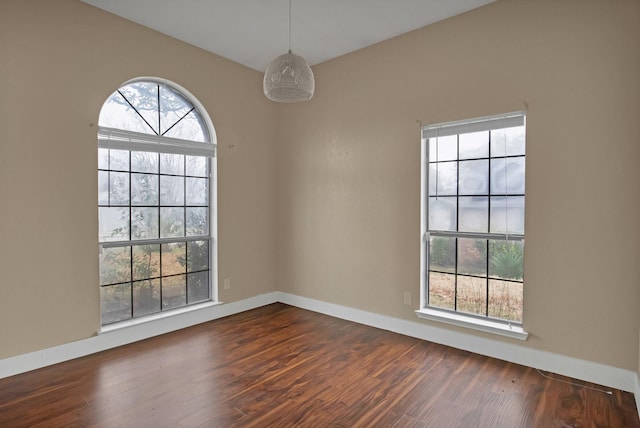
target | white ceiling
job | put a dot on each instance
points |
(254, 32)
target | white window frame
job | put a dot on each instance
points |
(460, 319)
(120, 139)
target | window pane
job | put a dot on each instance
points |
(507, 176)
(474, 145)
(506, 259)
(114, 224)
(443, 178)
(146, 261)
(144, 97)
(144, 223)
(119, 188)
(173, 107)
(197, 256)
(442, 290)
(508, 142)
(197, 191)
(197, 221)
(144, 162)
(144, 189)
(174, 291)
(115, 265)
(103, 158)
(197, 166)
(474, 177)
(507, 214)
(119, 160)
(198, 286)
(171, 164)
(473, 214)
(146, 297)
(171, 222)
(103, 188)
(174, 258)
(442, 213)
(117, 113)
(442, 254)
(505, 300)
(115, 303)
(171, 190)
(472, 256)
(472, 295)
(443, 148)
(189, 128)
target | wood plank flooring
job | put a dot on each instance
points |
(280, 366)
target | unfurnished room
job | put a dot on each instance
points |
(298, 213)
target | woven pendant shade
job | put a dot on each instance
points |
(289, 79)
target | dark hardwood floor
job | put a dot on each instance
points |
(280, 366)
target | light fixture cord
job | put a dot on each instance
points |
(289, 25)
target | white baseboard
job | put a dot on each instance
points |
(601, 374)
(122, 336)
(613, 377)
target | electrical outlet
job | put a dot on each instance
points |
(407, 297)
(227, 283)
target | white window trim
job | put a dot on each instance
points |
(485, 325)
(156, 316)
(459, 319)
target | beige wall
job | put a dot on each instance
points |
(325, 204)
(349, 165)
(59, 62)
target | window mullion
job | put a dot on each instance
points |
(160, 268)
(455, 276)
(488, 225)
(455, 283)
(130, 236)
(487, 281)
(184, 216)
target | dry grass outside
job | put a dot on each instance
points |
(505, 297)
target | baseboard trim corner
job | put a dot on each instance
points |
(123, 336)
(589, 371)
(601, 374)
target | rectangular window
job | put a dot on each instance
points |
(154, 232)
(473, 218)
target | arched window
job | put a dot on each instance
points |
(155, 201)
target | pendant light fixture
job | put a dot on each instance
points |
(289, 78)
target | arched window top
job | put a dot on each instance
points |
(157, 109)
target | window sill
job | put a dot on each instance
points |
(484, 325)
(157, 316)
